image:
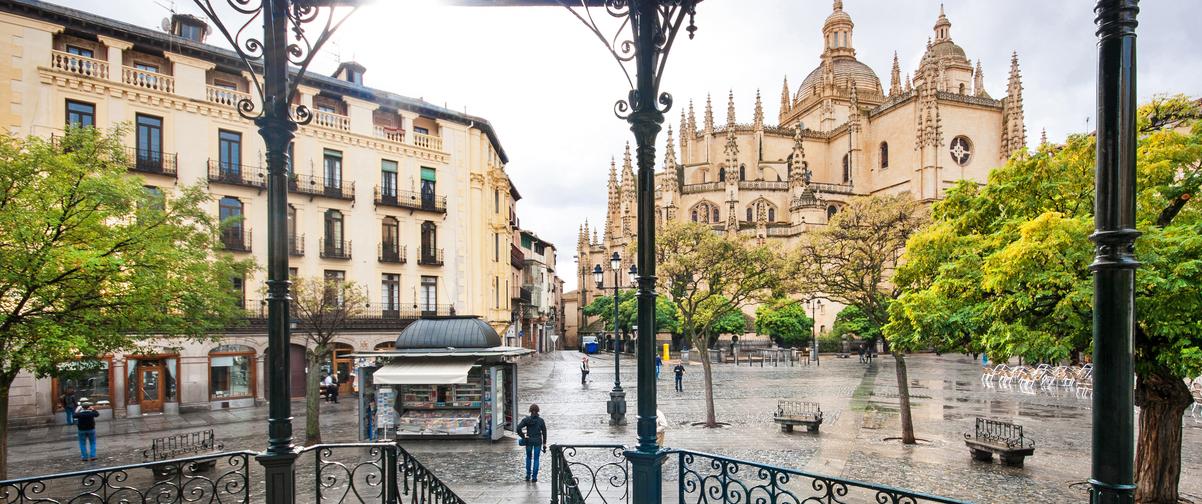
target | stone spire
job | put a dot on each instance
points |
(895, 77)
(670, 184)
(798, 174)
(684, 126)
(628, 194)
(730, 110)
(978, 81)
(928, 128)
(909, 87)
(670, 158)
(709, 116)
(1014, 131)
(613, 207)
(758, 123)
(692, 129)
(784, 100)
(853, 116)
(732, 155)
(1043, 136)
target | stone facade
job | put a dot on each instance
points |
(840, 134)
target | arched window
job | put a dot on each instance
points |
(846, 168)
(771, 214)
(742, 172)
(429, 239)
(831, 211)
(722, 174)
(333, 233)
(231, 372)
(716, 218)
(694, 216)
(749, 219)
(961, 88)
(884, 155)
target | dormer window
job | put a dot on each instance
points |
(189, 27)
(354, 76)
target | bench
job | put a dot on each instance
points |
(182, 445)
(1002, 438)
(792, 413)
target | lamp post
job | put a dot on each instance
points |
(814, 305)
(293, 32)
(616, 407)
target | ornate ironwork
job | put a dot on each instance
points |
(360, 478)
(420, 485)
(575, 481)
(1000, 433)
(623, 43)
(303, 43)
(163, 482)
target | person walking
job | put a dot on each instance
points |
(659, 362)
(661, 426)
(69, 403)
(679, 372)
(85, 423)
(583, 369)
(532, 431)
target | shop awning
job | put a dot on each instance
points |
(424, 372)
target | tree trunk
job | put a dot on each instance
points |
(711, 420)
(5, 383)
(903, 399)
(312, 404)
(1162, 399)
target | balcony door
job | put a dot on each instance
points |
(333, 233)
(390, 234)
(229, 154)
(429, 296)
(150, 143)
(390, 295)
(388, 170)
(332, 167)
(229, 212)
(428, 184)
(429, 242)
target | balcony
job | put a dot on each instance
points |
(764, 185)
(430, 257)
(317, 186)
(236, 239)
(412, 200)
(79, 65)
(236, 174)
(390, 134)
(148, 161)
(225, 96)
(391, 253)
(516, 257)
(427, 141)
(148, 80)
(386, 316)
(702, 187)
(525, 296)
(296, 246)
(831, 188)
(331, 120)
(334, 249)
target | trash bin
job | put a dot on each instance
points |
(590, 347)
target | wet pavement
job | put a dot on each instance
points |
(859, 402)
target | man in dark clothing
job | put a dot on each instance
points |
(679, 371)
(69, 402)
(533, 431)
(85, 420)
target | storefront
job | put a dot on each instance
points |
(445, 377)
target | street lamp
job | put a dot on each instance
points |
(814, 305)
(616, 407)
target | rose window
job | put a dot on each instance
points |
(961, 150)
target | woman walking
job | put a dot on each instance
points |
(533, 433)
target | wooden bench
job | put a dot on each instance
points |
(182, 445)
(1002, 438)
(791, 413)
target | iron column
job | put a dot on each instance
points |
(1112, 478)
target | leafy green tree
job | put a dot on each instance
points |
(851, 321)
(91, 262)
(322, 306)
(850, 260)
(785, 321)
(708, 277)
(1005, 269)
(602, 307)
(724, 321)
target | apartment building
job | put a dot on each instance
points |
(408, 199)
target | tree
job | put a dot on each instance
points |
(851, 320)
(603, 308)
(1005, 269)
(322, 307)
(91, 263)
(785, 321)
(849, 261)
(708, 277)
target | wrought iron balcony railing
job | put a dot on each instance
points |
(430, 257)
(296, 245)
(337, 472)
(320, 186)
(222, 172)
(392, 253)
(413, 200)
(152, 161)
(601, 474)
(236, 239)
(332, 249)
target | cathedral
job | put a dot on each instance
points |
(840, 134)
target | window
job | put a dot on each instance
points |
(742, 172)
(694, 216)
(333, 287)
(831, 211)
(496, 201)
(429, 294)
(154, 198)
(291, 222)
(333, 233)
(390, 232)
(149, 135)
(333, 169)
(749, 219)
(146, 67)
(88, 378)
(231, 372)
(288, 162)
(961, 150)
(229, 152)
(80, 114)
(429, 240)
(884, 155)
(229, 213)
(388, 169)
(428, 180)
(191, 32)
(419, 129)
(721, 175)
(238, 288)
(716, 219)
(771, 214)
(846, 168)
(961, 88)
(496, 247)
(80, 51)
(390, 292)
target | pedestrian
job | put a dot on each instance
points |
(861, 353)
(583, 369)
(85, 423)
(679, 372)
(334, 384)
(661, 426)
(69, 403)
(370, 420)
(532, 432)
(659, 362)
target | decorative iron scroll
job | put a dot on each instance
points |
(589, 473)
(177, 481)
(1000, 433)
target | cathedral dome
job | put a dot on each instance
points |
(845, 69)
(838, 16)
(948, 51)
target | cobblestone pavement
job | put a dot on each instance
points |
(860, 404)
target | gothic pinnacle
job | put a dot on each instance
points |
(978, 80)
(895, 77)
(784, 96)
(709, 115)
(759, 111)
(730, 109)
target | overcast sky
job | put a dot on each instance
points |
(548, 86)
